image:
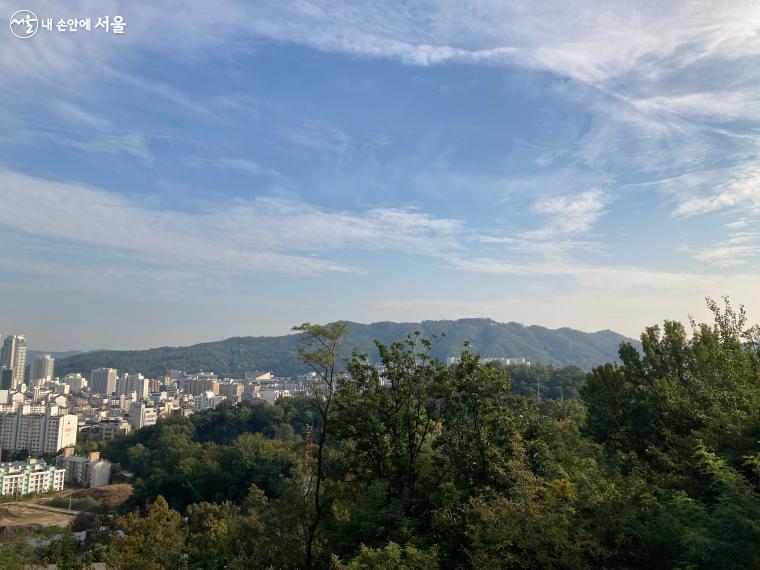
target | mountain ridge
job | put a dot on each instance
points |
(233, 356)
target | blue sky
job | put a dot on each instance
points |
(239, 168)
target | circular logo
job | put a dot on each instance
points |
(24, 24)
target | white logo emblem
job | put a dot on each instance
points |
(24, 24)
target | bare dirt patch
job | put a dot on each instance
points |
(109, 496)
(30, 516)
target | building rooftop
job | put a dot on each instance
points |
(34, 464)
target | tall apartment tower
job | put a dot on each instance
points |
(41, 370)
(103, 381)
(127, 384)
(13, 356)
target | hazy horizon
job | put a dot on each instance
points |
(236, 169)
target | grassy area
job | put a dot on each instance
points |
(88, 504)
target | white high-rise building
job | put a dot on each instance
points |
(128, 384)
(103, 381)
(41, 370)
(36, 430)
(13, 356)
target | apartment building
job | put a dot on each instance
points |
(128, 384)
(13, 357)
(30, 476)
(109, 429)
(41, 370)
(37, 429)
(141, 415)
(103, 381)
(206, 401)
(89, 471)
(231, 390)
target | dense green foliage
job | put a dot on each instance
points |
(235, 356)
(431, 467)
(214, 456)
(547, 382)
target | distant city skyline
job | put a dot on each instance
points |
(238, 168)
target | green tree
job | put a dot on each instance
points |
(681, 391)
(319, 350)
(390, 556)
(478, 425)
(153, 542)
(387, 415)
(16, 553)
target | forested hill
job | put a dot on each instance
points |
(234, 356)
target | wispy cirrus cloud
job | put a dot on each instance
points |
(737, 250)
(67, 124)
(569, 215)
(268, 235)
(246, 166)
(737, 189)
(565, 219)
(259, 235)
(323, 135)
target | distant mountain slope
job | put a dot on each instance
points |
(30, 354)
(233, 356)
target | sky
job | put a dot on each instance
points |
(235, 168)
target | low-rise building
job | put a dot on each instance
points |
(259, 376)
(271, 396)
(206, 401)
(76, 382)
(108, 429)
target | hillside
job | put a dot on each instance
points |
(233, 356)
(30, 354)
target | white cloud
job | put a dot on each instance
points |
(566, 217)
(735, 251)
(263, 234)
(740, 248)
(569, 215)
(737, 188)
